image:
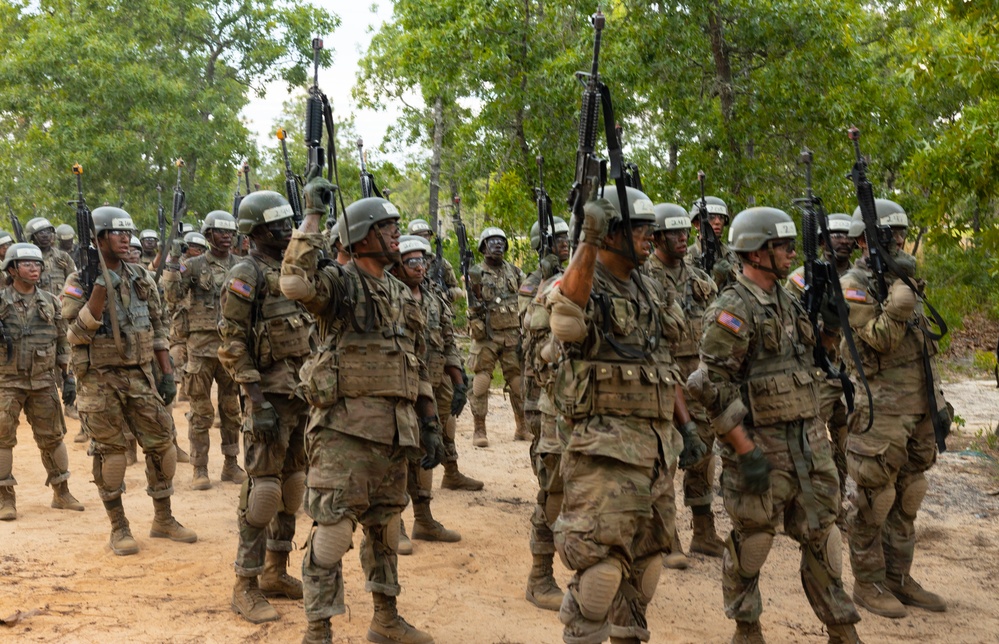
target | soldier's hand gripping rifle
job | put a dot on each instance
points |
(319, 112)
(15, 223)
(291, 180)
(464, 253)
(546, 220)
(705, 233)
(177, 215)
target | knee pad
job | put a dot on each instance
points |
(391, 532)
(331, 542)
(480, 383)
(6, 463)
(709, 471)
(516, 383)
(647, 578)
(263, 501)
(913, 493)
(753, 553)
(833, 548)
(292, 491)
(112, 469)
(553, 505)
(449, 427)
(878, 502)
(60, 458)
(168, 462)
(597, 587)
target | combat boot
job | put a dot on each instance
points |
(248, 601)
(275, 581)
(80, 437)
(387, 627)
(522, 433)
(705, 539)
(121, 542)
(201, 480)
(542, 589)
(877, 599)
(479, 435)
(455, 480)
(8, 503)
(843, 634)
(231, 471)
(426, 528)
(318, 632)
(625, 640)
(676, 560)
(167, 527)
(908, 591)
(748, 633)
(63, 500)
(131, 451)
(405, 546)
(182, 456)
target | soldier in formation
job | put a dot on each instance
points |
(726, 266)
(150, 242)
(66, 237)
(58, 264)
(439, 272)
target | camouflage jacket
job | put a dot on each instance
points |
(496, 291)
(441, 348)
(197, 290)
(37, 331)
(453, 290)
(693, 290)
(724, 272)
(58, 266)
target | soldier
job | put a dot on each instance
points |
(150, 241)
(889, 461)
(265, 340)
(58, 264)
(495, 329)
(694, 290)
(5, 242)
(832, 406)
(197, 292)
(32, 323)
(758, 383)
(196, 244)
(179, 328)
(112, 358)
(617, 393)
(726, 267)
(441, 273)
(372, 407)
(67, 242)
(135, 251)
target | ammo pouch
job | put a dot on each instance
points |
(283, 332)
(378, 371)
(319, 375)
(504, 316)
(690, 345)
(138, 347)
(584, 388)
(477, 329)
(782, 398)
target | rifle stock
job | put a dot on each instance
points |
(15, 223)
(705, 233)
(546, 220)
(291, 180)
(177, 215)
(465, 253)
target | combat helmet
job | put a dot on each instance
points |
(65, 232)
(20, 251)
(413, 243)
(889, 213)
(418, 226)
(149, 233)
(640, 208)
(671, 216)
(135, 243)
(361, 215)
(491, 231)
(561, 228)
(37, 224)
(107, 218)
(218, 220)
(196, 238)
(262, 207)
(5, 238)
(714, 205)
(754, 227)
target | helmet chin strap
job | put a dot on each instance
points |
(773, 263)
(384, 252)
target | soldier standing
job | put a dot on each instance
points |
(150, 241)
(758, 384)
(197, 291)
(5, 242)
(66, 237)
(726, 267)
(32, 323)
(58, 263)
(440, 272)
(616, 392)
(372, 407)
(112, 358)
(694, 290)
(265, 340)
(495, 329)
(889, 461)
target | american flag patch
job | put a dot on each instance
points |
(730, 322)
(855, 295)
(73, 291)
(798, 279)
(527, 289)
(239, 287)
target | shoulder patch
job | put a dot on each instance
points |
(731, 322)
(527, 288)
(855, 295)
(241, 288)
(798, 279)
(73, 291)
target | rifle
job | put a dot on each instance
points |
(464, 253)
(368, 187)
(179, 207)
(237, 198)
(546, 220)
(246, 176)
(15, 223)
(705, 233)
(630, 174)
(438, 276)
(318, 112)
(121, 196)
(880, 261)
(160, 219)
(290, 179)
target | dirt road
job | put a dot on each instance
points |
(60, 583)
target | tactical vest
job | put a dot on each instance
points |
(435, 358)
(779, 383)
(206, 279)
(537, 335)
(57, 269)
(33, 335)
(280, 326)
(499, 295)
(134, 322)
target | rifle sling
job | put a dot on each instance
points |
(111, 305)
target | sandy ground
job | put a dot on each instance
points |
(59, 582)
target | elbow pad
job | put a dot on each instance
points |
(568, 323)
(294, 285)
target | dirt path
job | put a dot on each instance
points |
(59, 577)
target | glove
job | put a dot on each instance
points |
(318, 195)
(264, 422)
(69, 390)
(906, 263)
(597, 215)
(549, 265)
(694, 448)
(459, 399)
(755, 471)
(901, 302)
(433, 444)
(177, 249)
(115, 280)
(166, 388)
(721, 270)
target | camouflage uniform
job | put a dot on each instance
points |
(618, 512)
(196, 291)
(454, 291)
(58, 266)
(757, 352)
(725, 271)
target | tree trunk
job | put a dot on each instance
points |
(435, 159)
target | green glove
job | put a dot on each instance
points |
(69, 390)
(694, 448)
(115, 280)
(755, 470)
(318, 196)
(264, 422)
(459, 399)
(597, 215)
(431, 441)
(721, 270)
(166, 388)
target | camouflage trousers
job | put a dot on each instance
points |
(482, 359)
(42, 407)
(698, 479)
(280, 459)
(443, 393)
(832, 410)
(888, 463)
(105, 399)
(807, 512)
(201, 372)
(612, 510)
(550, 486)
(361, 481)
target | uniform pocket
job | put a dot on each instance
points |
(867, 460)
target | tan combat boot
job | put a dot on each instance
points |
(908, 591)
(479, 435)
(843, 634)
(387, 627)
(63, 500)
(455, 480)
(542, 589)
(121, 541)
(201, 480)
(426, 528)
(182, 456)
(676, 560)
(705, 540)
(522, 433)
(167, 527)
(275, 581)
(231, 471)
(248, 601)
(131, 451)
(318, 632)
(748, 633)
(877, 599)
(405, 546)
(8, 503)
